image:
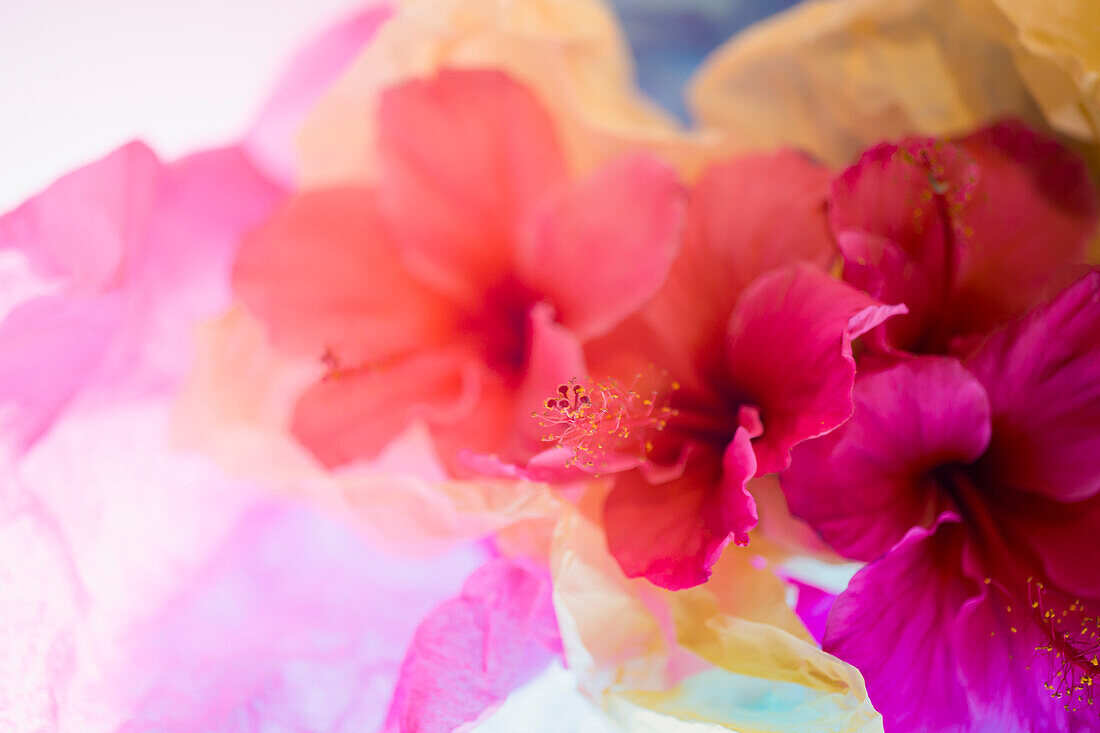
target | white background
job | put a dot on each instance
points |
(80, 77)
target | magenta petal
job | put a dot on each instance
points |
(909, 193)
(473, 650)
(864, 485)
(1043, 379)
(271, 142)
(293, 621)
(894, 622)
(789, 354)
(1004, 673)
(603, 247)
(812, 606)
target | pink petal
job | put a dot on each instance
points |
(473, 650)
(789, 354)
(603, 246)
(745, 217)
(673, 532)
(465, 156)
(293, 621)
(1042, 374)
(354, 416)
(272, 140)
(895, 622)
(555, 358)
(134, 252)
(812, 606)
(324, 276)
(864, 485)
(1033, 213)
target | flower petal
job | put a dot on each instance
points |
(673, 532)
(789, 354)
(1005, 672)
(894, 624)
(863, 486)
(324, 276)
(1033, 212)
(347, 417)
(1042, 374)
(473, 650)
(603, 247)
(465, 156)
(745, 217)
(128, 263)
(271, 141)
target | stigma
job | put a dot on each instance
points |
(604, 423)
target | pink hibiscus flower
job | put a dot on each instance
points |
(459, 290)
(743, 353)
(968, 234)
(974, 489)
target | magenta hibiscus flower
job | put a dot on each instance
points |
(967, 233)
(974, 488)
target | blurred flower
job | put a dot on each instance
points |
(459, 290)
(570, 53)
(968, 233)
(144, 589)
(834, 77)
(109, 268)
(976, 483)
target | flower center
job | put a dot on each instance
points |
(500, 324)
(605, 423)
(1068, 626)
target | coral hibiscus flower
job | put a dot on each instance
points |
(458, 290)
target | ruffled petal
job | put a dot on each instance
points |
(1043, 379)
(789, 354)
(894, 623)
(865, 485)
(473, 650)
(603, 247)
(912, 195)
(465, 157)
(673, 532)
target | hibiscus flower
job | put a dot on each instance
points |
(967, 233)
(458, 290)
(973, 487)
(743, 353)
